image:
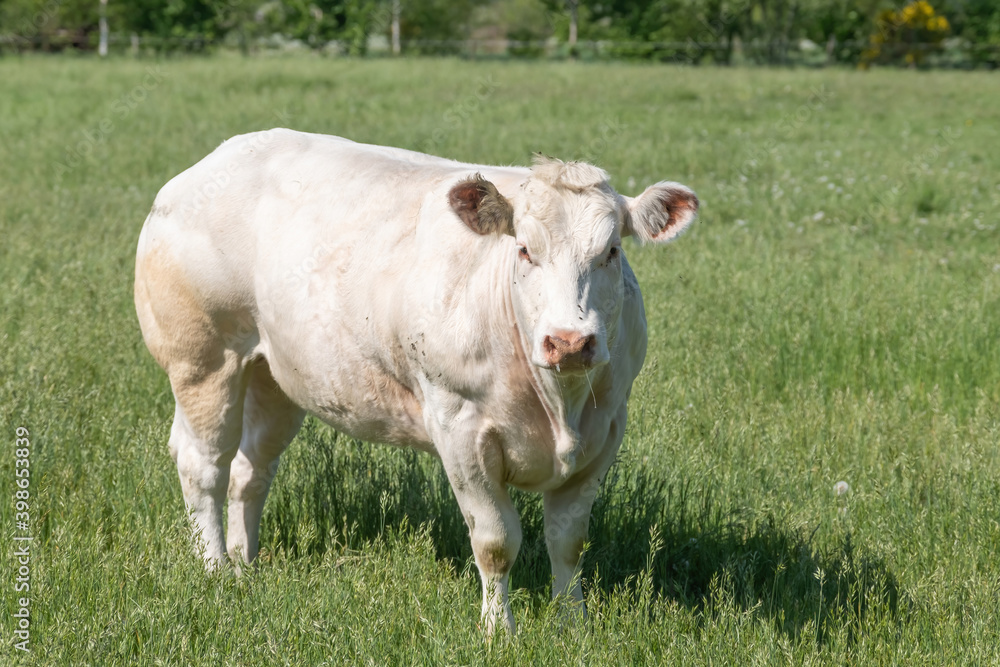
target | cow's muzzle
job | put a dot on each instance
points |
(568, 351)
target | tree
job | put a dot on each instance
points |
(190, 25)
(439, 23)
(978, 23)
(843, 25)
(907, 32)
(50, 25)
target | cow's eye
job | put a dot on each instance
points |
(522, 252)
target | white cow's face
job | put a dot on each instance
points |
(567, 286)
(567, 223)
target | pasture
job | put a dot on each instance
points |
(833, 316)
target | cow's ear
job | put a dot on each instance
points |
(661, 212)
(481, 207)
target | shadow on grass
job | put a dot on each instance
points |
(334, 492)
(701, 552)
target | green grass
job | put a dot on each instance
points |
(834, 315)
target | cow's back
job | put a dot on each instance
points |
(263, 194)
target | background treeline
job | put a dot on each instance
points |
(957, 33)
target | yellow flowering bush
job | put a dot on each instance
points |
(907, 33)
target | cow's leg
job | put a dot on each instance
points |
(270, 421)
(204, 438)
(567, 517)
(567, 520)
(495, 530)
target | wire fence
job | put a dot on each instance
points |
(949, 54)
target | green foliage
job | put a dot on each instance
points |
(50, 25)
(690, 31)
(833, 315)
(182, 24)
(521, 21)
(977, 22)
(907, 34)
(778, 31)
(435, 21)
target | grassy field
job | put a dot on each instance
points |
(833, 316)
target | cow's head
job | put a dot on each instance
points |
(567, 223)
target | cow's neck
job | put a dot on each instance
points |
(564, 397)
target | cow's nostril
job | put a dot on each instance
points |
(549, 345)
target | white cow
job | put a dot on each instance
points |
(486, 315)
